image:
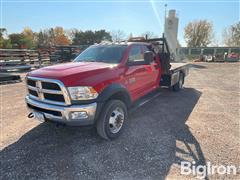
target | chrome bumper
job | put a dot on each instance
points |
(63, 112)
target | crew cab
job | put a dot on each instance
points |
(100, 85)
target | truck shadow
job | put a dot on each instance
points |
(155, 139)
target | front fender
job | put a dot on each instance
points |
(113, 89)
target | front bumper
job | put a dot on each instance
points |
(62, 114)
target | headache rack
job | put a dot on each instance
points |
(162, 42)
(170, 71)
(163, 53)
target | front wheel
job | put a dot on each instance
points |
(112, 119)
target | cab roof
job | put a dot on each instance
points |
(122, 43)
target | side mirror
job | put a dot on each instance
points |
(148, 57)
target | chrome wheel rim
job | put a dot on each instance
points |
(116, 120)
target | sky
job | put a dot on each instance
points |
(133, 16)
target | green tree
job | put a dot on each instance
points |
(7, 44)
(20, 41)
(2, 30)
(90, 37)
(41, 39)
(4, 43)
(30, 38)
(52, 37)
(102, 35)
(77, 37)
(46, 38)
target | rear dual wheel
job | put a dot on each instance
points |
(112, 119)
(179, 85)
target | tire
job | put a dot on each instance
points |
(112, 119)
(179, 85)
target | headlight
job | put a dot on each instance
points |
(82, 93)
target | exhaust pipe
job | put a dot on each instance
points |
(30, 115)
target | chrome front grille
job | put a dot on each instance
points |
(47, 90)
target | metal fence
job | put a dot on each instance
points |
(218, 53)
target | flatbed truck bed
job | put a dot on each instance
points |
(175, 66)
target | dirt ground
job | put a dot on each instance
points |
(200, 123)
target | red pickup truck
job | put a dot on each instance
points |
(100, 85)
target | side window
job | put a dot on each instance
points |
(135, 54)
(145, 48)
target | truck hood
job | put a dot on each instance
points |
(76, 73)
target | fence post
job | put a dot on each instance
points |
(39, 59)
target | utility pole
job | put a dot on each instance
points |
(165, 17)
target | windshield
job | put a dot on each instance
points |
(102, 53)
